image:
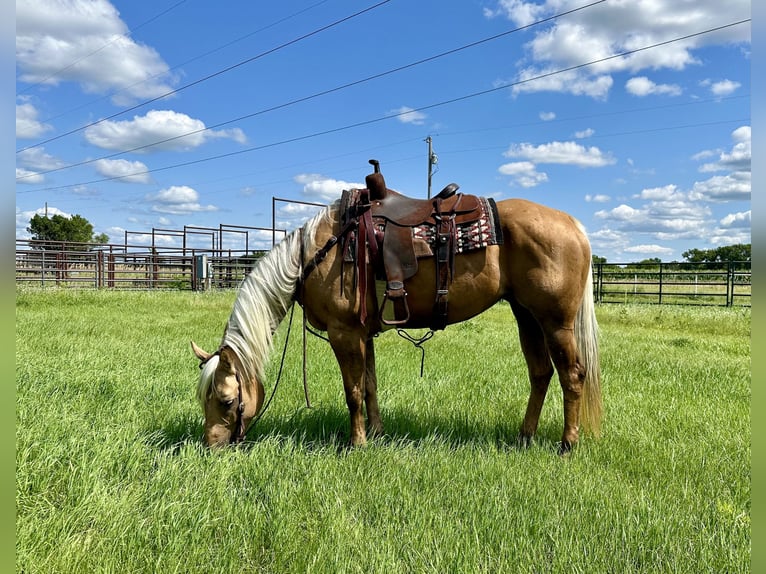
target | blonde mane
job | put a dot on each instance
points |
(263, 300)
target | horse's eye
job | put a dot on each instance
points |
(227, 404)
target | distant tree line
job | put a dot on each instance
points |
(724, 254)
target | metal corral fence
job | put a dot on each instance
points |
(141, 267)
(726, 283)
(129, 267)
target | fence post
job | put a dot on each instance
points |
(729, 284)
(193, 272)
(59, 267)
(99, 269)
(155, 268)
(599, 281)
(660, 289)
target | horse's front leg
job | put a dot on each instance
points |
(350, 348)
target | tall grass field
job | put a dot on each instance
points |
(111, 475)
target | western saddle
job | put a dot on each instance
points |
(378, 226)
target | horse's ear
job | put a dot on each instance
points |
(228, 358)
(203, 356)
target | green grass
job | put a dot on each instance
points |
(111, 476)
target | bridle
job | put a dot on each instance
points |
(239, 435)
(239, 425)
(240, 431)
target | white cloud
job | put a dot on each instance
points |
(523, 13)
(723, 88)
(607, 235)
(177, 194)
(666, 214)
(730, 237)
(586, 133)
(84, 191)
(178, 200)
(740, 219)
(86, 41)
(28, 176)
(566, 153)
(738, 159)
(36, 158)
(598, 198)
(27, 124)
(324, 189)
(159, 238)
(620, 213)
(649, 250)
(523, 173)
(643, 86)
(735, 186)
(156, 126)
(547, 116)
(704, 154)
(408, 115)
(126, 171)
(611, 28)
(665, 193)
(529, 80)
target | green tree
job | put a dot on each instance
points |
(738, 252)
(597, 259)
(75, 230)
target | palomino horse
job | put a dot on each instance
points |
(542, 268)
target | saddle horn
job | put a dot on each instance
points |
(375, 182)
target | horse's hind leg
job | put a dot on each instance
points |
(350, 350)
(371, 392)
(539, 368)
(563, 350)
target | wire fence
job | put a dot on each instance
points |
(71, 265)
(727, 283)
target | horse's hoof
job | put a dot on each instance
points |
(524, 440)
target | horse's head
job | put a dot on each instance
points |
(229, 399)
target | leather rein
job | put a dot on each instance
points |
(241, 430)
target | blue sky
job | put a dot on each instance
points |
(208, 112)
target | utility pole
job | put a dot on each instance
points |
(432, 160)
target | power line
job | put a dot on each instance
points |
(616, 134)
(325, 92)
(213, 75)
(590, 116)
(97, 50)
(398, 114)
(190, 60)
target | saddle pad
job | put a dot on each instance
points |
(473, 235)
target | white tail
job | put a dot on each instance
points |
(586, 332)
